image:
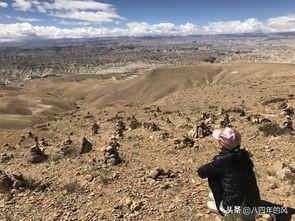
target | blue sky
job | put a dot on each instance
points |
(202, 11)
(94, 18)
(176, 11)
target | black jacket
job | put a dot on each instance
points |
(234, 170)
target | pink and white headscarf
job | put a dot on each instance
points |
(229, 138)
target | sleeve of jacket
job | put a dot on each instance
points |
(211, 169)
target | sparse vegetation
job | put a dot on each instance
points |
(270, 129)
(69, 152)
(72, 187)
(105, 177)
(172, 152)
(271, 173)
(30, 183)
(8, 217)
(60, 201)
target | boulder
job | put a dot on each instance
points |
(18, 181)
(159, 174)
(134, 124)
(86, 146)
(5, 182)
(36, 155)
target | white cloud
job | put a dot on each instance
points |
(28, 19)
(3, 4)
(224, 27)
(20, 31)
(281, 23)
(188, 29)
(143, 28)
(95, 17)
(79, 10)
(73, 5)
(70, 23)
(22, 5)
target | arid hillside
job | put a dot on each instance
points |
(116, 149)
(39, 100)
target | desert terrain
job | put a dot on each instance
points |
(117, 140)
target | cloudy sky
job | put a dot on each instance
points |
(53, 19)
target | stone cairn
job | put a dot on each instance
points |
(257, 119)
(151, 126)
(120, 128)
(202, 128)
(134, 123)
(283, 105)
(288, 124)
(94, 128)
(200, 131)
(111, 154)
(36, 155)
(207, 117)
(184, 142)
(67, 149)
(225, 122)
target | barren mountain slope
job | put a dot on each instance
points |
(39, 100)
(72, 186)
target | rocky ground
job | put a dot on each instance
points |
(138, 161)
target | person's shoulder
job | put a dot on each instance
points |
(223, 155)
(245, 152)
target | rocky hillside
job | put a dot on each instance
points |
(136, 159)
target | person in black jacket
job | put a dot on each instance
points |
(230, 175)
